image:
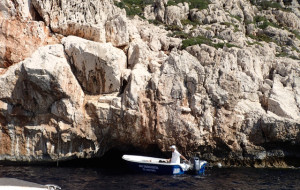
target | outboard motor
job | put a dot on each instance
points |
(196, 164)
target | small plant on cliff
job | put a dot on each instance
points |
(228, 24)
(188, 21)
(266, 4)
(194, 41)
(203, 40)
(263, 22)
(179, 34)
(296, 33)
(133, 7)
(262, 37)
(155, 22)
(173, 27)
(254, 43)
(199, 4)
(269, 4)
(284, 54)
(237, 17)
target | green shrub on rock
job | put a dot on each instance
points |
(263, 22)
(203, 40)
(199, 4)
(133, 7)
(266, 4)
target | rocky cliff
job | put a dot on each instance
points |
(218, 78)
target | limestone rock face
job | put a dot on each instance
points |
(98, 66)
(22, 9)
(88, 21)
(20, 37)
(171, 15)
(7, 9)
(41, 100)
(43, 75)
(156, 37)
(174, 14)
(282, 100)
(117, 31)
(222, 82)
(289, 19)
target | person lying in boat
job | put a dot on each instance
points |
(176, 156)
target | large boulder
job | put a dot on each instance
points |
(42, 106)
(98, 66)
(174, 14)
(39, 81)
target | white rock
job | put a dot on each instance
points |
(79, 18)
(138, 81)
(117, 31)
(282, 101)
(98, 66)
(176, 13)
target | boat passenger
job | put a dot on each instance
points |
(176, 155)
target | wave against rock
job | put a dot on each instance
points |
(222, 80)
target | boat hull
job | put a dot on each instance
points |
(159, 165)
(155, 168)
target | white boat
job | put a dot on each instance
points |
(162, 166)
(17, 184)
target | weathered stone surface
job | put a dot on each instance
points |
(117, 31)
(20, 32)
(7, 9)
(156, 37)
(19, 39)
(21, 9)
(39, 81)
(282, 100)
(171, 15)
(88, 22)
(174, 14)
(287, 18)
(41, 102)
(98, 66)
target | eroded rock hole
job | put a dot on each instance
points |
(35, 14)
(123, 86)
(287, 2)
(271, 73)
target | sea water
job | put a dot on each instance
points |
(77, 178)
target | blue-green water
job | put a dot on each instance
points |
(76, 178)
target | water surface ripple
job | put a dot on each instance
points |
(70, 178)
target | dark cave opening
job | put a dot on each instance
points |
(112, 159)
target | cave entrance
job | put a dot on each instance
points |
(112, 159)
